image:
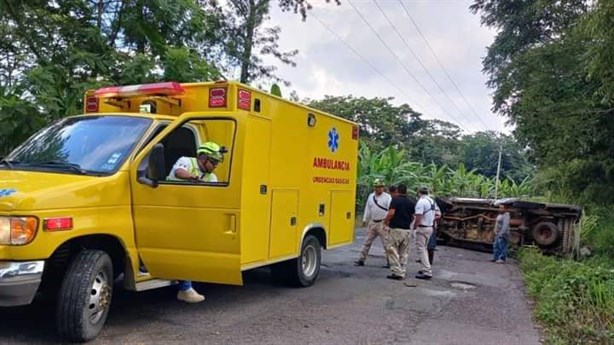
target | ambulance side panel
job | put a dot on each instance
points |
(311, 180)
(256, 196)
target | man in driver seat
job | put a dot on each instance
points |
(199, 169)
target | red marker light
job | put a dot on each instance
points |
(217, 97)
(57, 224)
(91, 105)
(244, 99)
(355, 132)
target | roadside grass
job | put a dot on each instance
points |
(574, 299)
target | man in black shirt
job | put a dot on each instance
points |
(398, 220)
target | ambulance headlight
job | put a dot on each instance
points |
(17, 230)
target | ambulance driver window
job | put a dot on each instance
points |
(200, 152)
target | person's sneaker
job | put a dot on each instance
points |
(493, 260)
(423, 276)
(394, 277)
(386, 266)
(190, 296)
(359, 263)
(500, 261)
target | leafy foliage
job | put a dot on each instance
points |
(550, 67)
(551, 70)
(393, 167)
(247, 34)
(574, 299)
(381, 123)
(52, 51)
(384, 125)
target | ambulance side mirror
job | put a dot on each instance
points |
(154, 171)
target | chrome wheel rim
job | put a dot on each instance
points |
(99, 298)
(309, 261)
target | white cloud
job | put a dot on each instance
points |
(325, 66)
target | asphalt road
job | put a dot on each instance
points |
(470, 301)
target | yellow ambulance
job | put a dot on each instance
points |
(88, 199)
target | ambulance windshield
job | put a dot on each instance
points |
(95, 145)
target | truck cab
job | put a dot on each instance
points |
(87, 199)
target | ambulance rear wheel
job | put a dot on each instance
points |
(85, 296)
(307, 265)
(304, 270)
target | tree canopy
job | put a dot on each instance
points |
(550, 66)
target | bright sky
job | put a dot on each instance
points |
(327, 66)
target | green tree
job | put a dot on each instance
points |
(481, 152)
(381, 123)
(248, 35)
(52, 51)
(436, 142)
(550, 67)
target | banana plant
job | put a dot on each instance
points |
(392, 165)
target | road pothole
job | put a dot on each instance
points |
(462, 286)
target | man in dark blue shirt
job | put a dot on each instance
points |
(399, 220)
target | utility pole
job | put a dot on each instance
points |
(498, 170)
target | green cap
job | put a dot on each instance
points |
(378, 183)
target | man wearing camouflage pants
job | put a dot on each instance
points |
(399, 221)
(376, 209)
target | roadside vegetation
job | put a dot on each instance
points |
(550, 68)
(574, 300)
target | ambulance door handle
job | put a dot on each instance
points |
(233, 224)
(292, 221)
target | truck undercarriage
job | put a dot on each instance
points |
(470, 223)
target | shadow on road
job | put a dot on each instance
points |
(35, 323)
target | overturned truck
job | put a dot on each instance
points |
(470, 223)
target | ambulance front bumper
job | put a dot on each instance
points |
(19, 281)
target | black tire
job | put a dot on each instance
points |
(545, 234)
(85, 296)
(304, 270)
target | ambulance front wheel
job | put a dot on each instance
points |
(85, 296)
(304, 270)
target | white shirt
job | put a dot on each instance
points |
(423, 207)
(372, 211)
(187, 164)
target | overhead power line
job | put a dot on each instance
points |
(393, 84)
(422, 64)
(403, 65)
(411, 18)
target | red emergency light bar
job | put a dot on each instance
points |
(166, 88)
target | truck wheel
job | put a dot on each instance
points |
(302, 271)
(85, 296)
(545, 234)
(307, 266)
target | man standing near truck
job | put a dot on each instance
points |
(399, 221)
(423, 225)
(199, 169)
(376, 209)
(502, 235)
(432, 243)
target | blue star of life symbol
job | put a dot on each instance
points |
(6, 192)
(333, 140)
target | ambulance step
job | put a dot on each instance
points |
(154, 284)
